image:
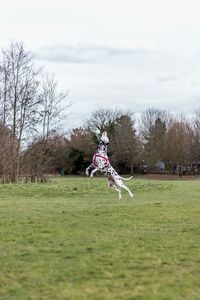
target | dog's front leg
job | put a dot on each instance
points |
(89, 169)
(93, 172)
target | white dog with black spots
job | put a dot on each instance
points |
(100, 162)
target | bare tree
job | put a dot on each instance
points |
(5, 134)
(20, 102)
(52, 109)
(30, 108)
(102, 119)
(148, 119)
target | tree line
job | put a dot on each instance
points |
(33, 143)
(158, 138)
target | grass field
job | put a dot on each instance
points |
(72, 239)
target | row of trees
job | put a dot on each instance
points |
(31, 143)
(172, 139)
(156, 136)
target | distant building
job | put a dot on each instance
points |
(160, 166)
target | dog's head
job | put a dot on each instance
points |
(104, 138)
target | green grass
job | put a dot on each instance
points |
(72, 239)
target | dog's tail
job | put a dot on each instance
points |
(126, 178)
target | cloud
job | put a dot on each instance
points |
(92, 53)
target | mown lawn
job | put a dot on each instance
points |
(72, 239)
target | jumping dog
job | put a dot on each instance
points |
(100, 162)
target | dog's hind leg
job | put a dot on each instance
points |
(123, 186)
(112, 185)
(117, 190)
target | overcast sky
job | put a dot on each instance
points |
(128, 54)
